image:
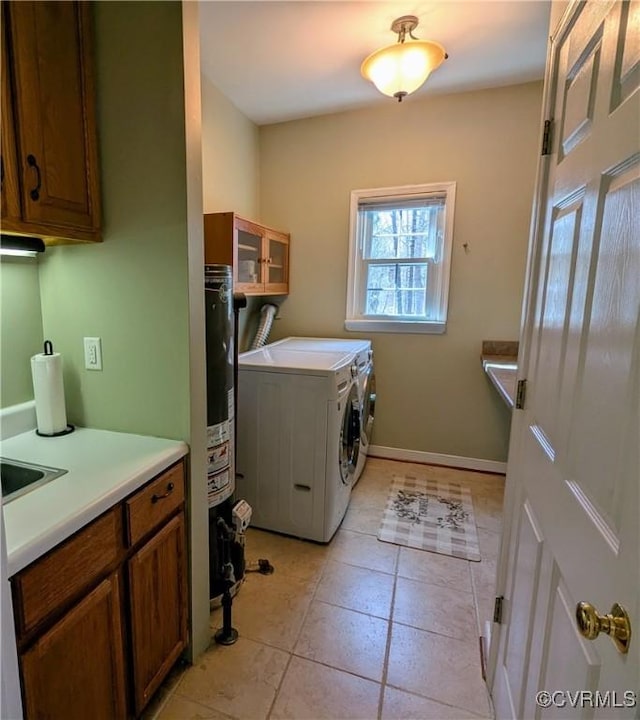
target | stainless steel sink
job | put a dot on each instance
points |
(19, 477)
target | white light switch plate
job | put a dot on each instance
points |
(93, 353)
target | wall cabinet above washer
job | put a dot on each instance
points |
(258, 254)
(49, 146)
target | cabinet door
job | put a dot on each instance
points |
(10, 190)
(157, 580)
(276, 265)
(76, 670)
(51, 57)
(249, 260)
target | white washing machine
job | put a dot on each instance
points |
(298, 438)
(366, 381)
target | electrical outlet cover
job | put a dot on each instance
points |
(93, 353)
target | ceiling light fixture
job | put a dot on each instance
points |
(400, 69)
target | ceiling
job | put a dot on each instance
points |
(280, 61)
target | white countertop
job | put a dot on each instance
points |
(503, 374)
(103, 468)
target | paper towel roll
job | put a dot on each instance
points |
(48, 389)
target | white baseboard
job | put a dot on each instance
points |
(429, 458)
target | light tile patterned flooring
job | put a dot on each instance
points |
(354, 629)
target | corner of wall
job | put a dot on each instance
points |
(230, 156)
(21, 330)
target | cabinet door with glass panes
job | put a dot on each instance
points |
(259, 255)
(275, 263)
(248, 260)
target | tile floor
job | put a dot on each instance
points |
(354, 629)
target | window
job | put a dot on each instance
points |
(400, 253)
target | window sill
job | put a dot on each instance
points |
(397, 326)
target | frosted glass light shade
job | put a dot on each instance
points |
(400, 69)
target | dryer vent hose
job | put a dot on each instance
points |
(267, 315)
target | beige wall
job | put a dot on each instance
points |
(20, 326)
(230, 156)
(230, 173)
(432, 393)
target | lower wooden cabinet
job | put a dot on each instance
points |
(158, 595)
(110, 618)
(76, 670)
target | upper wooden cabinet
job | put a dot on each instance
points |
(259, 255)
(49, 155)
(9, 187)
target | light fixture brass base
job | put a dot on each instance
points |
(406, 23)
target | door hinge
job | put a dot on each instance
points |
(497, 610)
(546, 137)
(521, 394)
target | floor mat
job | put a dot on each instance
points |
(433, 515)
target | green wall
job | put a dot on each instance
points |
(131, 290)
(20, 327)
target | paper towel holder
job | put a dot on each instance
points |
(48, 350)
(69, 429)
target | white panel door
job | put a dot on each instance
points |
(573, 472)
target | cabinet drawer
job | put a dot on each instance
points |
(67, 571)
(154, 503)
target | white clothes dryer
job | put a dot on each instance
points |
(366, 380)
(298, 438)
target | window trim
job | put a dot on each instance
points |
(355, 320)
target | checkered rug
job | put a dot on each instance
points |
(433, 515)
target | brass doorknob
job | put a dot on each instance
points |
(616, 624)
